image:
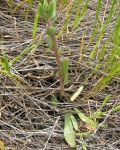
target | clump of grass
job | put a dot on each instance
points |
(5, 69)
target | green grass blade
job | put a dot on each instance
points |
(111, 12)
(30, 3)
(22, 53)
(75, 5)
(104, 102)
(1, 62)
(98, 10)
(35, 25)
(6, 63)
(117, 31)
(64, 26)
(4, 72)
(81, 16)
(112, 59)
(102, 51)
(117, 108)
(83, 143)
(11, 4)
(116, 49)
(106, 79)
(84, 133)
(99, 113)
(64, 2)
(78, 5)
(95, 29)
(86, 119)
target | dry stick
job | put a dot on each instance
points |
(49, 22)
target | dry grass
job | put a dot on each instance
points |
(27, 119)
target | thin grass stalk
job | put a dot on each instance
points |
(11, 4)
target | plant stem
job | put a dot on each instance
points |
(49, 22)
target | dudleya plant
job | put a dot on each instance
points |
(47, 11)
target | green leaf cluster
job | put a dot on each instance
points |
(71, 128)
(47, 10)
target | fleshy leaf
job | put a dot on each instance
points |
(45, 6)
(40, 10)
(51, 30)
(65, 66)
(54, 12)
(74, 123)
(49, 41)
(68, 131)
(51, 9)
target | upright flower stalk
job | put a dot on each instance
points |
(47, 10)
